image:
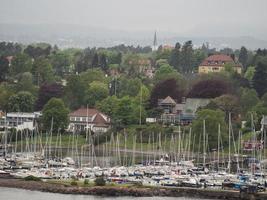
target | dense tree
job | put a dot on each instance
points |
(209, 88)
(55, 115)
(84, 60)
(97, 91)
(161, 62)
(239, 81)
(174, 59)
(114, 57)
(257, 111)
(109, 106)
(43, 50)
(187, 56)
(4, 64)
(74, 92)
(260, 78)
(131, 64)
(198, 57)
(213, 118)
(228, 104)
(227, 51)
(20, 64)
(125, 49)
(166, 88)
(61, 63)
(166, 72)
(25, 83)
(127, 112)
(264, 100)
(92, 75)
(163, 53)
(21, 102)
(243, 57)
(9, 49)
(250, 73)
(42, 71)
(46, 92)
(128, 86)
(248, 99)
(5, 93)
(95, 61)
(103, 62)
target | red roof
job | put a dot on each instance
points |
(84, 112)
(99, 118)
(218, 60)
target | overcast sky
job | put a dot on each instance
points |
(184, 17)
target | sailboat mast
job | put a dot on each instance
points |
(140, 111)
(218, 151)
(229, 141)
(204, 143)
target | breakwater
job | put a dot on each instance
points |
(130, 191)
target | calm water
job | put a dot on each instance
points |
(15, 194)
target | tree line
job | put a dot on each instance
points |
(41, 77)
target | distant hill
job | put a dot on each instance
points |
(65, 35)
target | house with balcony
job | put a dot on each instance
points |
(20, 120)
(179, 113)
(88, 119)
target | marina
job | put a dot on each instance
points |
(138, 167)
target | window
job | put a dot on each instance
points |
(72, 118)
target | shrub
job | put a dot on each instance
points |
(86, 182)
(100, 181)
(32, 178)
(73, 183)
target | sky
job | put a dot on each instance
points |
(183, 17)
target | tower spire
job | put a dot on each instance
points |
(155, 42)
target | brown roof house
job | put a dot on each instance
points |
(217, 63)
(88, 119)
(170, 110)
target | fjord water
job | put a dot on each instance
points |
(14, 194)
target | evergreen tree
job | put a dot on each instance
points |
(243, 57)
(42, 71)
(103, 62)
(174, 59)
(3, 68)
(260, 78)
(187, 56)
(95, 61)
(21, 63)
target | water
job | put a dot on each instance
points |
(15, 194)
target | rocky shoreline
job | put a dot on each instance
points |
(128, 191)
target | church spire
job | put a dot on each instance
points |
(155, 42)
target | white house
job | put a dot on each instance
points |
(88, 118)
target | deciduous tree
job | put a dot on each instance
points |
(55, 115)
(97, 91)
(213, 118)
(209, 88)
(21, 102)
(46, 92)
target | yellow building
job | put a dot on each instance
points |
(217, 63)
